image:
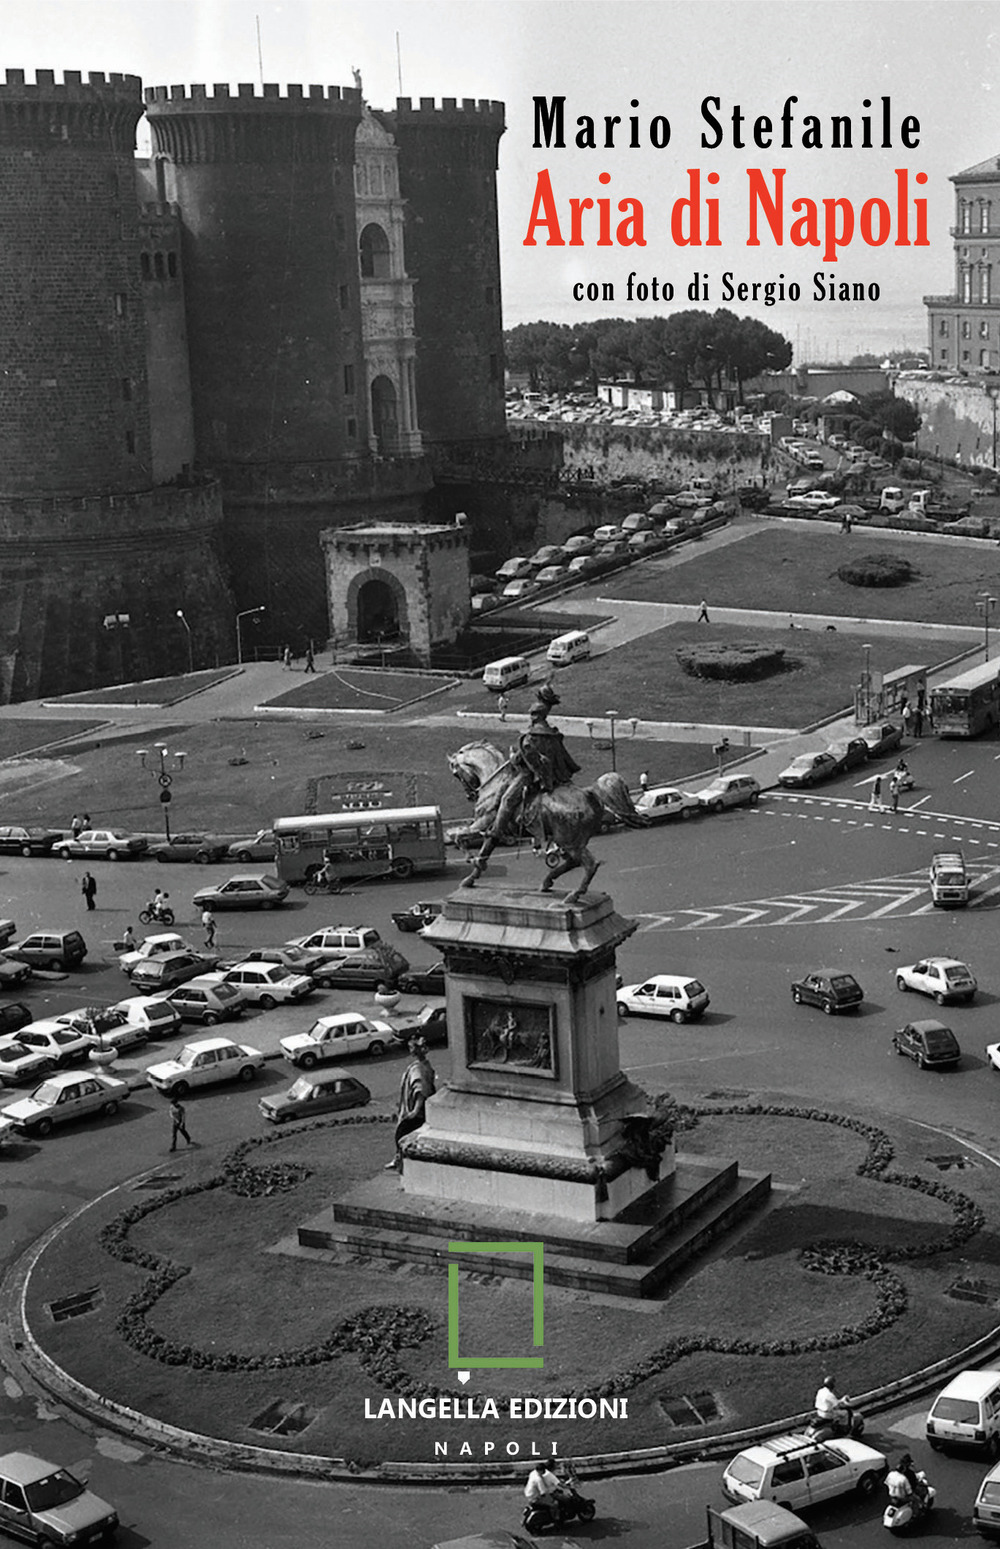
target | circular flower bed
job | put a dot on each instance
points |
(876, 570)
(737, 661)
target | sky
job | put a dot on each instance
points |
(938, 62)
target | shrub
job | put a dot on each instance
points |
(876, 570)
(738, 661)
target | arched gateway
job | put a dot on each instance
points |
(392, 583)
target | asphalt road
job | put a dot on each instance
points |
(745, 901)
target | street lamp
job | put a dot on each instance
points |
(993, 392)
(868, 683)
(248, 613)
(187, 626)
(985, 605)
(612, 716)
(163, 777)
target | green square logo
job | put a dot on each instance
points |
(474, 1362)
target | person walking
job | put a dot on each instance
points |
(644, 782)
(894, 793)
(208, 923)
(310, 658)
(502, 706)
(76, 825)
(703, 617)
(88, 887)
(128, 939)
(178, 1123)
(286, 657)
(875, 802)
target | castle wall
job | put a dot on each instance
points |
(168, 364)
(958, 419)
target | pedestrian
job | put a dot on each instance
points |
(88, 887)
(894, 793)
(848, 522)
(286, 657)
(85, 821)
(502, 706)
(909, 719)
(310, 659)
(208, 923)
(128, 939)
(875, 802)
(76, 825)
(703, 617)
(644, 782)
(178, 1123)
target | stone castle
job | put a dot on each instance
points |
(282, 322)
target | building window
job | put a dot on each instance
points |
(943, 328)
(373, 249)
(966, 357)
(345, 297)
(172, 265)
(352, 430)
(966, 328)
(984, 330)
(348, 379)
(944, 354)
(966, 216)
(146, 266)
(130, 442)
(966, 284)
(984, 359)
(158, 267)
(126, 389)
(984, 283)
(984, 215)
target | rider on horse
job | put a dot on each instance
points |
(542, 762)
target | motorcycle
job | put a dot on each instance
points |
(900, 1515)
(162, 916)
(570, 1505)
(904, 778)
(823, 1427)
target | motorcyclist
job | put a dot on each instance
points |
(157, 904)
(543, 1489)
(917, 1485)
(898, 1482)
(830, 1408)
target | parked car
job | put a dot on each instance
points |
(330, 1038)
(250, 890)
(204, 1063)
(108, 844)
(45, 1504)
(201, 848)
(14, 1016)
(729, 791)
(485, 602)
(514, 590)
(808, 769)
(55, 949)
(814, 499)
(607, 533)
(8, 930)
(513, 569)
(268, 984)
(661, 802)
(945, 978)
(422, 981)
(17, 840)
(296, 959)
(105, 1027)
(850, 753)
(550, 575)
(831, 990)
(206, 1000)
(613, 549)
(60, 1044)
(580, 565)
(158, 975)
(676, 996)
(325, 1092)
(882, 738)
(417, 916)
(159, 945)
(642, 540)
(580, 545)
(261, 846)
(63, 1096)
(430, 1024)
(930, 1044)
(332, 942)
(363, 970)
(19, 1062)
(156, 1015)
(12, 974)
(796, 1472)
(548, 554)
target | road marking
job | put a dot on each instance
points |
(966, 776)
(915, 804)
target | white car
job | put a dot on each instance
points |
(796, 1471)
(203, 1063)
(63, 1045)
(336, 941)
(729, 791)
(152, 1012)
(19, 1063)
(66, 1095)
(265, 984)
(330, 1038)
(815, 499)
(154, 946)
(676, 996)
(807, 768)
(944, 978)
(104, 1027)
(661, 802)
(993, 1054)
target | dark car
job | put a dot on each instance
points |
(423, 981)
(158, 975)
(418, 915)
(364, 970)
(14, 1016)
(831, 991)
(321, 1091)
(16, 840)
(201, 848)
(57, 949)
(12, 974)
(930, 1044)
(849, 754)
(297, 960)
(882, 738)
(248, 891)
(430, 1024)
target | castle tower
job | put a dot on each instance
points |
(447, 174)
(84, 538)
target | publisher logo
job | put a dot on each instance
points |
(468, 1363)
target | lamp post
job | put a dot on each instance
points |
(985, 605)
(612, 716)
(868, 683)
(187, 626)
(993, 392)
(164, 778)
(248, 613)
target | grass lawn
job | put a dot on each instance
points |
(20, 737)
(644, 678)
(154, 691)
(241, 1296)
(779, 569)
(352, 688)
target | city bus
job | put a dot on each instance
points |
(375, 842)
(968, 704)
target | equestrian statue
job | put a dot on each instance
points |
(532, 792)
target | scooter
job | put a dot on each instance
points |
(570, 1504)
(850, 1423)
(162, 916)
(900, 1515)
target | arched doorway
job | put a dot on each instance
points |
(385, 424)
(378, 612)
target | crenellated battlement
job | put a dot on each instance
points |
(72, 88)
(197, 98)
(480, 114)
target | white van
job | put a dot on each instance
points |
(573, 647)
(508, 672)
(967, 1413)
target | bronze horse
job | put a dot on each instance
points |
(560, 822)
